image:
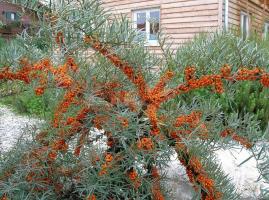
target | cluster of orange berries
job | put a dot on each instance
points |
(143, 91)
(197, 174)
(206, 182)
(59, 38)
(73, 93)
(226, 71)
(76, 126)
(193, 120)
(133, 176)
(236, 137)
(68, 100)
(75, 123)
(40, 71)
(59, 145)
(62, 78)
(91, 197)
(152, 98)
(155, 96)
(204, 81)
(196, 164)
(265, 79)
(155, 93)
(136, 78)
(245, 74)
(107, 91)
(123, 121)
(20, 75)
(145, 144)
(152, 115)
(110, 92)
(104, 167)
(156, 188)
(4, 197)
(99, 121)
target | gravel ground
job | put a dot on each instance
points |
(244, 177)
(12, 127)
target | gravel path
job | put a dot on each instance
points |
(12, 127)
(244, 177)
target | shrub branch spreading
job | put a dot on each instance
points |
(137, 130)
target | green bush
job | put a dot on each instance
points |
(2, 40)
(28, 103)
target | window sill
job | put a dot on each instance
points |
(152, 44)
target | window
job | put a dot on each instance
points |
(266, 30)
(244, 25)
(12, 16)
(147, 22)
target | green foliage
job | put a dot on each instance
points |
(28, 103)
(210, 52)
(96, 72)
(2, 41)
(22, 99)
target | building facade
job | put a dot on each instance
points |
(181, 20)
(15, 18)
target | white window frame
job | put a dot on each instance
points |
(242, 16)
(266, 30)
(147, 11)
(226, 16)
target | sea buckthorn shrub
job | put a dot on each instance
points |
(207, 52)
(117, 121)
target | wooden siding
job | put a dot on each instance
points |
(181, 20)
(258, 15)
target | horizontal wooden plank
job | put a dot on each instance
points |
(190, 19)
(201, 13)
(196, 8)
(191, 25)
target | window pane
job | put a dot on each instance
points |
(12, 16)
(154, 24)
(8, 15)
(141, 26)
(141, 21)
(244, 26)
